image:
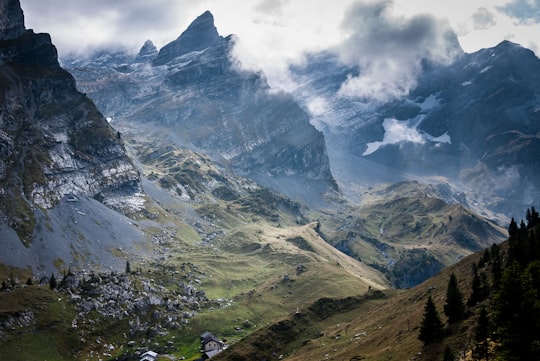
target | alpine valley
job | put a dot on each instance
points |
(153, 201)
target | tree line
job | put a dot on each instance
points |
(504, 300)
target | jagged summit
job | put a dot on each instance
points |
(11, 20)
(199, 35)
(148, 51)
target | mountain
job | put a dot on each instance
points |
(496, 287)
(474, 121)
(201, 34)
(144, 236)
(193, 91)
(410, 231)
(190, 95)
(375, 325)
(55, 147)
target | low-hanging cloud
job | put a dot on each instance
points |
(275, 33)
(483, 19)
(523, 10)
(389, 49)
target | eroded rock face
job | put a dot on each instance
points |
(11, 20)
(53, 140)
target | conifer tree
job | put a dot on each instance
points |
(512, 228)
(485, 258)
(481, 335)
(516, 309)
(496, 265)
(454, 308)
(52, 282)
(517, 316)
(532, 218)
(431, 328)
(480, 288)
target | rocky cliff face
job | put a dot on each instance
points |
(53, 140)
(11, 20)
(194, 93)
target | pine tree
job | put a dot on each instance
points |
(516, 306)
(454, 308)
(512, 228)
(480, 288)
(481, 335)
(516, 316)
(485, 259)
(431, 328)
(532, 218)
(496, 265)
(52, 282)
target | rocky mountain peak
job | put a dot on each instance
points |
(199, 35)
(11, 20)
(148, 49)
(506, 45)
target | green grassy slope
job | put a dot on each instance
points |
(378, 325)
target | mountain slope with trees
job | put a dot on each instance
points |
(483, 308)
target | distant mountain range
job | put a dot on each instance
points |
(475, 122)
(155, 201)
(193, 92)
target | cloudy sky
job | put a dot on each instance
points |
(273, 33)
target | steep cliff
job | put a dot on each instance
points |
(53, 140)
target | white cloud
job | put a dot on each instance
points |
(483, 19)
(272, 33)
(389, 48)
(318, 106)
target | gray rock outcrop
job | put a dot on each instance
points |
(200, 35)
(148, 52)
(11, 20)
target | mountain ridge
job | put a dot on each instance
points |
(242, 123)
(472, 121)
(200, 247)
(199, 35)
(55, 145)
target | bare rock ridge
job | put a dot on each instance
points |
(200, 35)
(11, 20)
(53, 140)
